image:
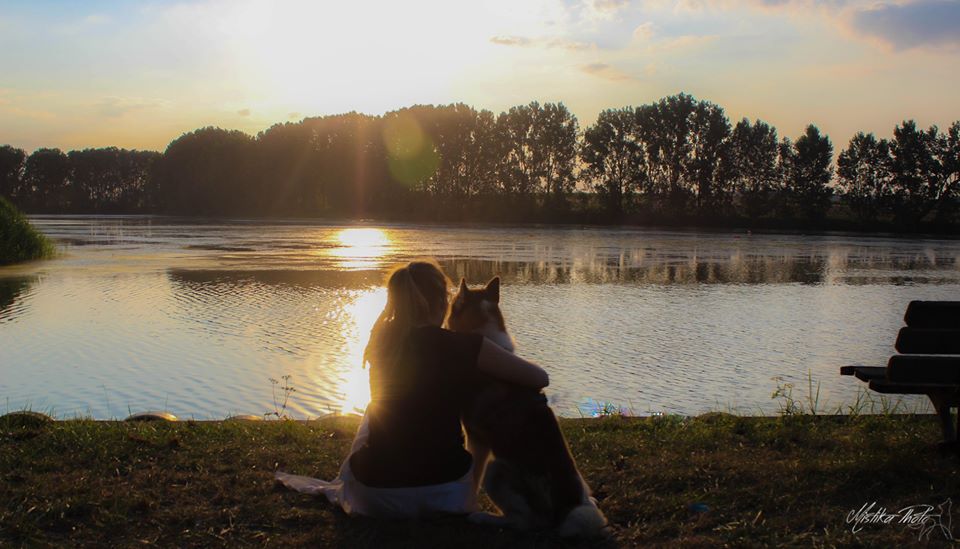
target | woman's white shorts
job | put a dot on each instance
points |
(355, 497)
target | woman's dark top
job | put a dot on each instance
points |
(414, 413)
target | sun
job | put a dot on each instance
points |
(324, 57)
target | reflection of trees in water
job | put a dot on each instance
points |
(746, 270)
(891, 259)
(839, 265)
(12, 291)
(857, 266)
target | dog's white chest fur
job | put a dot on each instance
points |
(493, 332)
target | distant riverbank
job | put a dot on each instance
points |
(712, 480)
(577, 216)
(677, 162)
(571, 220)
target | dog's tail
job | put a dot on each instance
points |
(584, 520)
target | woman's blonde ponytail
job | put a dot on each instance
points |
(415, 293)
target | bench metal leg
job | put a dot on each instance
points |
(942, 405)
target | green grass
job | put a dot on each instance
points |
(19, 240)
(788, 480)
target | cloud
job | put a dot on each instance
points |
(115, 107)
(916, 24)
(524, 42)
(647, 38)
(677, 43)
(644, 31)
(595, 68)
(244, 112)
(797, 6)
(511, 41)
(610, 5)
(17, 107)
(605, 71)
(900, 24)
(293, 115)
(571, 45)
(601, 10)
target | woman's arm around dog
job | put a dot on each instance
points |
(500, 363)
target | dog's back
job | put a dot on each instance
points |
(521, 430)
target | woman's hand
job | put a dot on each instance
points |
(500, 363)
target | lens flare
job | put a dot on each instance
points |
(411, 155)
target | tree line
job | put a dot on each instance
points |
(678, 160)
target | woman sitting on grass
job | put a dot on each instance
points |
(408, 458)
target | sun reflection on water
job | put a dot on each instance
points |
(362, 313)
(361, 247)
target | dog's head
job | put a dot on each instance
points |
(475, 310)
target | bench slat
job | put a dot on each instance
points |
(933, 314)
(924, 369)
(864, 373)
(928, 341)
(906, 388)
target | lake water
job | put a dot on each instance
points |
(147, 313)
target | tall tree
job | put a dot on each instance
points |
(555, 152)
(752, 165)
(949, 203)
(810, 173)
(207, 172)
(486, 150)
(709, 136)
(863, 171)
(666, 126)
(924, 170)
(291, 168)
(519, 170)
(613, 156)
(46, 180)
(95, 178)
(685, 143)
(11, 170)
(355, 151)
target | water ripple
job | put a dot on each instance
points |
(148, 313)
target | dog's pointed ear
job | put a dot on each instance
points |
(463, 286)
(493, 289)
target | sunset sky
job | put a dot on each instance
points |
(139, 74)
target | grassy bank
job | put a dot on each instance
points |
(19, 241)
(712, 480)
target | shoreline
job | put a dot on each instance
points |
(838, 229)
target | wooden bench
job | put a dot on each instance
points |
(928, 363)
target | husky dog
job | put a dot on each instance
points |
(532, 479)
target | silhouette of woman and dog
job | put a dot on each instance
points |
(439, 367)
